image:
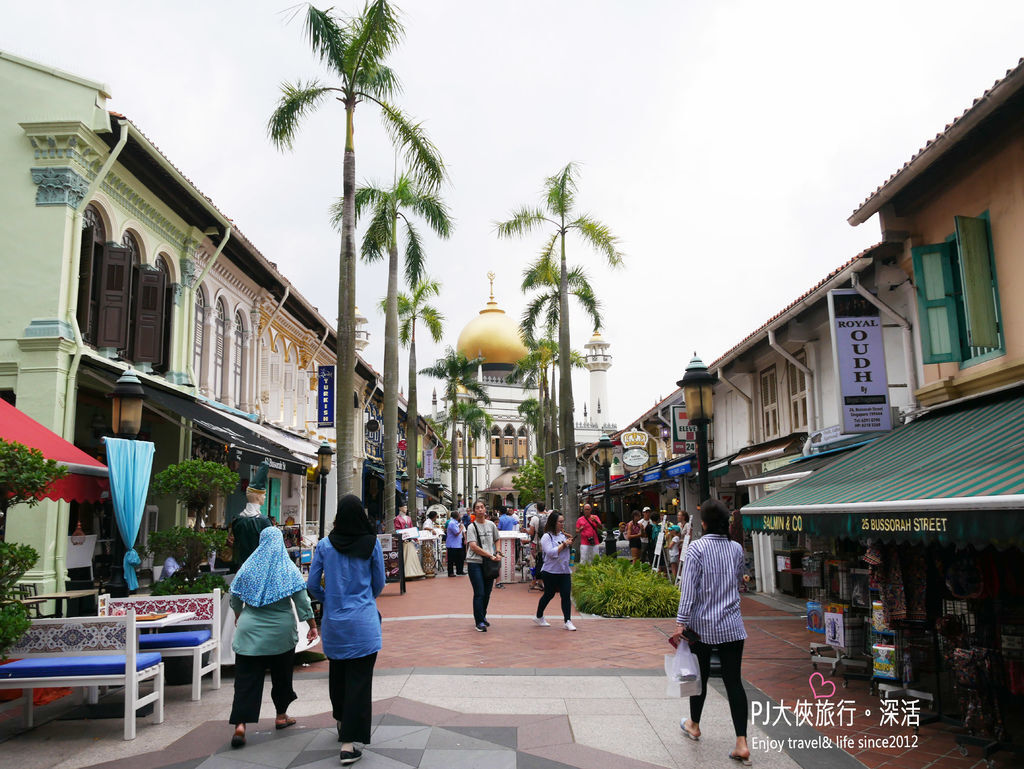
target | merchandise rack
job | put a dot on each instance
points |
(829, 582)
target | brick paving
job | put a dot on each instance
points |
(419, 631)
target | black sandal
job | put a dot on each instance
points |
(237, 740)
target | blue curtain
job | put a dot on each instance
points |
(130, 464)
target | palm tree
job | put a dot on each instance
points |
(544, 308)
(559, 212)
(458, 373)
(355, 51)
(413, 307)
(388, 208)
(475, 423)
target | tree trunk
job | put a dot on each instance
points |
(390, 445)
(412, 418)
(556, 479)
(344, 413)
(453, 448)
(568, 436)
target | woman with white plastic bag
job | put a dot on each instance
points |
(683, 672)
(709, 616)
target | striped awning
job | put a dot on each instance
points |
(916, 482)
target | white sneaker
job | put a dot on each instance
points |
(569, 625)
(541, 622)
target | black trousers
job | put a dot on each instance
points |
(351, 688)
(456, 560)
(556, 583)
(481, 591)
(250, 673)
(731, 655)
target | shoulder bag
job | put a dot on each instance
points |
(490, 568)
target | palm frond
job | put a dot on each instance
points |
(580, 288)
(523, 221)
(600, 238)
(560, 191)
(374, 34)
(379, 81)
(378, 236)
(432, 209)
(424, 289)
(411, 139)
(413, 253)
(296, 102)
(434, 321)
(542, 273)
(328, 39)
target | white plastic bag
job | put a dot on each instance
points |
(682, 672)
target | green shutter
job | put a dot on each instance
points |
(936, 302)
(978, 282)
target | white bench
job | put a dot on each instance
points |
(89, 652)
(174, 643)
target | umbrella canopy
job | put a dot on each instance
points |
(86, 480)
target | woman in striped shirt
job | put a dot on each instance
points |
(710, 607)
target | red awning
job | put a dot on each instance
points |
(86, 480)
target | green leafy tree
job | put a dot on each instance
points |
(442, 456)
(388, 209)
(414, 307)
(559, 212)
(197, 484)
(354, 50)
(530, 482)
(25, 475)
(191, 548)
(15, 560)
(458, 373)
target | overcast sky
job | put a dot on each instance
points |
(725, 143)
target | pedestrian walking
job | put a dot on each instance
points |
(351, 564)
(589, 528)
(674, 546)
(633, 532)
(262, 596)
(454, 533)
(557, 574)
(646, 546)
(536, 531)
(482, 561)
(709, 606)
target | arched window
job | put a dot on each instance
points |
(522, 444)
(220, 348)
(163, 266)
(238, 395)
(128, 241)
(200, 336)
(276, 362)
(458, 445)
(90, 267)
(495, 443)
(508, 444)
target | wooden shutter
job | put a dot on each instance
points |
(113, 298)
(85, 272)
(979, 288)
(168, 324)
(148, 337)
(936, 303)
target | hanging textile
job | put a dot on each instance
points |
(130, 464)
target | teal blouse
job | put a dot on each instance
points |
(270, 629)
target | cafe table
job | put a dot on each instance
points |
(60, 597)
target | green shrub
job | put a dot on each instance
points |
(15, 560)
(178, 584)
(613, 587)
(190, 548)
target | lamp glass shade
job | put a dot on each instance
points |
(605, 450)
(698, 384)
(126, 402)
(324, 456)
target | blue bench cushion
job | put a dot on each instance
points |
(169, 640)
(97, 665)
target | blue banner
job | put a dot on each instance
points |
(678, 469)
(325, 396)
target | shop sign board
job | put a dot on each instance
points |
(325, 396)
(634, 448)
(859, 353)
(616, 468)
(684, 434)
(428, 463)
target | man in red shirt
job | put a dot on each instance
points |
(589, 528)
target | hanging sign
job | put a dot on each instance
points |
(684, 434)
(616, 470)
(634, 448)
(428, 463)
(325, 396)
(860, 362)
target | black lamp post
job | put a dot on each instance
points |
(126, 420)
(403, 479)
(698, 384)
(605, 451)
(324, 456)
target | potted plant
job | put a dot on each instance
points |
(15, 560)
(197, 483)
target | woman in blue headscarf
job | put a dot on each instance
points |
(350, 564)
(262, 595)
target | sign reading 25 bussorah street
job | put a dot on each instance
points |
(860, 362)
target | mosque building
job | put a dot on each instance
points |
(495, 338)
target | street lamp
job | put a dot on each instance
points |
(697, 384)
(403, 478)
(324, 456)
(605, 452)
(126, 399)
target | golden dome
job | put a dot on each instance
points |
(492, 335)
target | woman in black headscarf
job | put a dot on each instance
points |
(351, 565)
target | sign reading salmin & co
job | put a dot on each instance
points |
(860, 362)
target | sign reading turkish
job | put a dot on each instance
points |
(325, 396)
(860, 362)
(634, 448)
(684, 434)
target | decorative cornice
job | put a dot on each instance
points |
(66, 142)
(49, 328)
(59, 186)
(134, 203)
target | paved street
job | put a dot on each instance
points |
(517, 696)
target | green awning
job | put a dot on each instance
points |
(954, 475)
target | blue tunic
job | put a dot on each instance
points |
(350, 627)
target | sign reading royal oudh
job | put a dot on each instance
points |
(634, 448)
(860, 362)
